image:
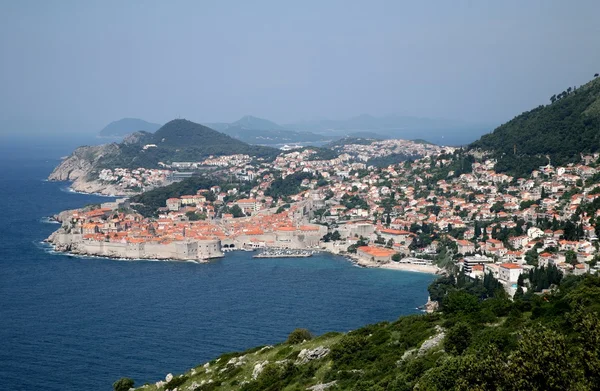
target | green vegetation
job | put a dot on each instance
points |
(290, 185)
(298, 336)
(123, 384)
(562, 130)
(236, 211)
(354, 201)
(150, 201)
(193, 216)
(180, 140)
(321, 153)
(549, 342)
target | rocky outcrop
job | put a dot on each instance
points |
(307, 355)
(431, 306)
(430, 343)
(258, 368)
(84, 185)
(322, 386)
(82, 161)
(137, 138)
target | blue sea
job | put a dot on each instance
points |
(69, 323)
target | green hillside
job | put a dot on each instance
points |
(181, 140)
(568, 126)
(180, 133)
(480, 340)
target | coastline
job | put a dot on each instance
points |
(429, 269)
(54, 250)
(407, 267)
(69, 189)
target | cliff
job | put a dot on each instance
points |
(80, 166)
(82, 162)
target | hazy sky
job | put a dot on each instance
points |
(77, 65)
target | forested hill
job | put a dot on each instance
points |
(561, 131)
(180, 140)
(180, 133)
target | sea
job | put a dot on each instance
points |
(71, 323)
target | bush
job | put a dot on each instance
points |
(346, 351)
(176, 382)
(458, 339)
(123, 384)
(298, 336)
(460, 302)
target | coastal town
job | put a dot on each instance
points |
(446, 210)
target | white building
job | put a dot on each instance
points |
(509, 272)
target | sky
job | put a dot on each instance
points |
(72, 67)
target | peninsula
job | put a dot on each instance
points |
(443, 207)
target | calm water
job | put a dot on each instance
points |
(68, 323)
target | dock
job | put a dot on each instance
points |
(284, 253)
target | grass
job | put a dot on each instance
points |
(229, 376)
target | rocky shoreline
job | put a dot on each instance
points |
(77, 167)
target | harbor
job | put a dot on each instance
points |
(285, 253)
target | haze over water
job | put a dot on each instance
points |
(73, 323)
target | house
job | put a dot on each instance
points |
(398, 236)
(494, 246)
(377, 254)
(509, 272)
(465, 247)
(90, 228)
(248, 205)
(581, 268)
(192, 199)
(469, 262)
(173, 204)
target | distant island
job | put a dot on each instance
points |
(126, 126)
(254, 130)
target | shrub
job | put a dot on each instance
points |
(458, 339)
(123, 384)
(298, 336)
(176, 382)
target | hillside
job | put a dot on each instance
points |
(181, 133)
(126, 126)
(560, 131)
(177, 140)
(480, 340)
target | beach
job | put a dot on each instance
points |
(407, 267)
